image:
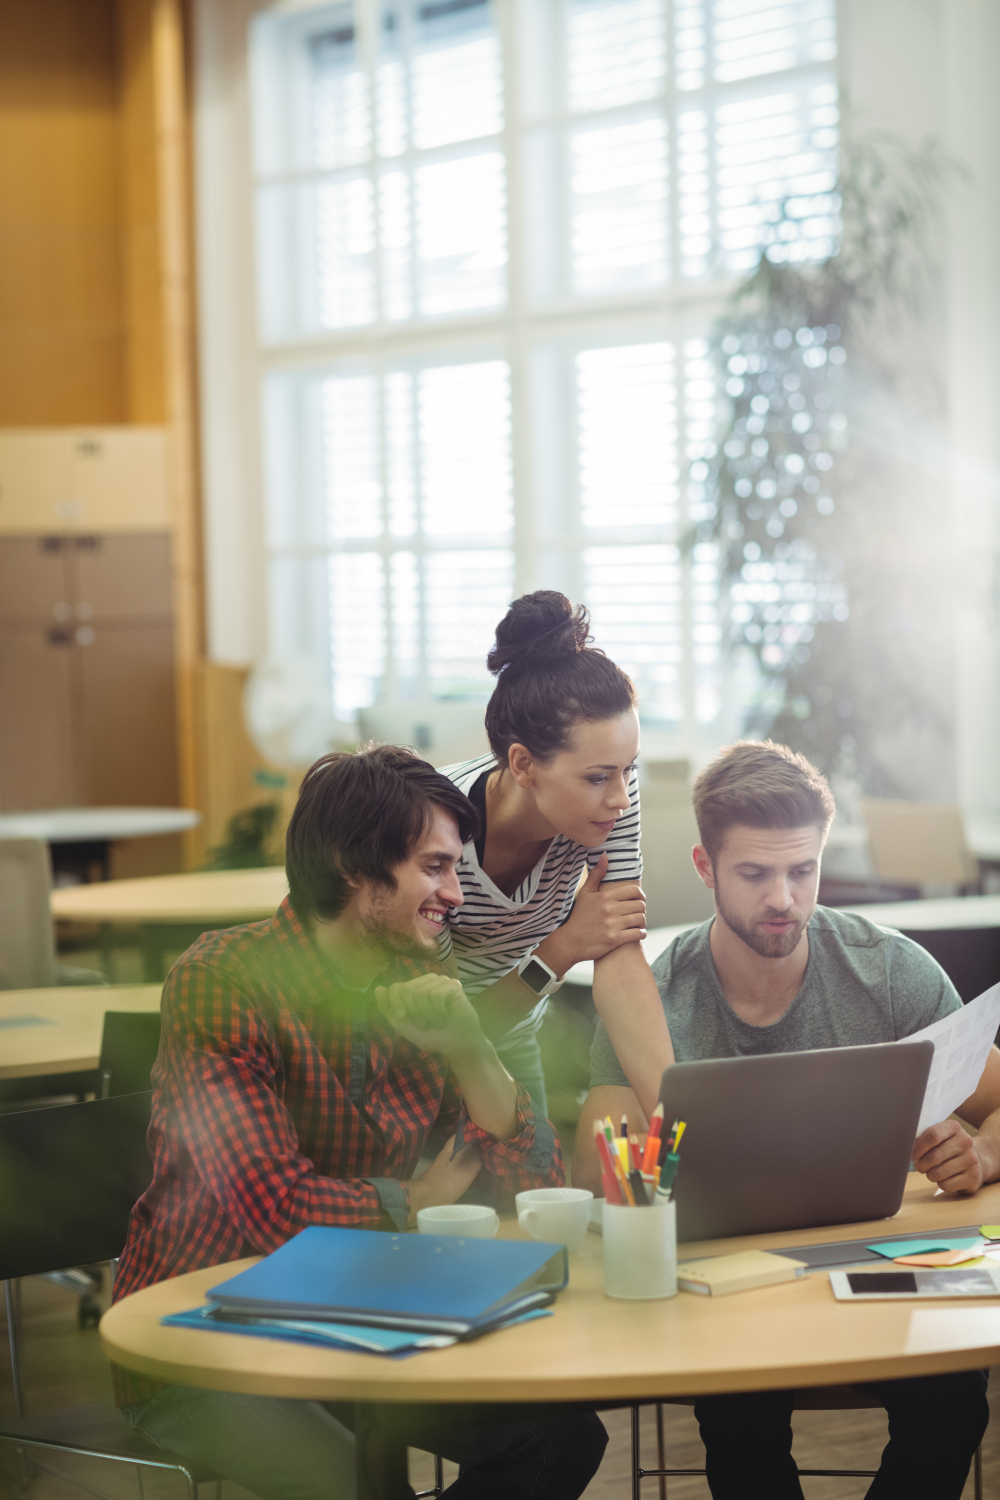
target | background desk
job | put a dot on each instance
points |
(169, 911)
(596, 1349)
(79, 837)
(50, 1040)
(962, 933)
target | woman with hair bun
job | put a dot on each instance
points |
(557, 793)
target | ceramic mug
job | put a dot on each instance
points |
(473, 1221)
(640, 1251)
(557, 1215)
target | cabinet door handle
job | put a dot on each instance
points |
(57, 637)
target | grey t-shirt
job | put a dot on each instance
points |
(862, 984)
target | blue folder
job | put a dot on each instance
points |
(397, 1343)
(426, 1283)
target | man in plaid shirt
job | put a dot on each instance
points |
(303, 1065)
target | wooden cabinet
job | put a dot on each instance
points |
(87, 685)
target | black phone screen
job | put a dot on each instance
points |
(882, 1281)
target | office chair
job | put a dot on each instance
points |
(919, 843)
(129, 1043)
(68, 1179)
(823, 1398)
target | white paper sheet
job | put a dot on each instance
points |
(961, 1046)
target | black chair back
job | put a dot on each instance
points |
(129, 1044)
(68, 1179)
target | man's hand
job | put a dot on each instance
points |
(434, 1013)
(603, 918)
(948, 1155)
(445, 1180)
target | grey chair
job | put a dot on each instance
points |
(68, 1179)
(27, 939)
(824, 1398)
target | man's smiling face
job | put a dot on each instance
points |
(410, 918)
(766, 882)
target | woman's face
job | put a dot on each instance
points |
(583, 790)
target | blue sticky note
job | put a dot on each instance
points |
(891, 1248)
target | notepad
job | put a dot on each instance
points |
(720, 1274)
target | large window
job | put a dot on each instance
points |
(491, 240)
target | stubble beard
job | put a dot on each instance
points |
(767, 944)
(391, 941)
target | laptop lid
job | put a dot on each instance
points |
(793, 1140)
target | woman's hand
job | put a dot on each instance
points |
(604, 917)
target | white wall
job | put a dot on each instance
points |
(928, 68)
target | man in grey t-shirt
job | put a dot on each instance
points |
(772, 972)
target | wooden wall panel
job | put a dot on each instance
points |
(61, 304)
(139, 184)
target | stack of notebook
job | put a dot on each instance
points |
(384, 1293)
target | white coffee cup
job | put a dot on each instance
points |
(473, 1221)
(558, 1215)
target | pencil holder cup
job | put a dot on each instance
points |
(640, 1251)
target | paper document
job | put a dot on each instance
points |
(962, 1042)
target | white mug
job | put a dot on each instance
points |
(558, 1215)
(640, 1250)
(473, 1221)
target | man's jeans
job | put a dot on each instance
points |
(936, 1423)
(302, 1450)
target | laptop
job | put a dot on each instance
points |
(794, 1140)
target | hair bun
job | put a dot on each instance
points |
(539, 626)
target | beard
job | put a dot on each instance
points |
(391, 941)
(767, 944)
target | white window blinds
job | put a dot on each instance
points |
(479, 228)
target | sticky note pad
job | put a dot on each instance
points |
(941, 1258)
(893, 1249)
(990, 1231)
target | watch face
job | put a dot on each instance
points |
(535, 976)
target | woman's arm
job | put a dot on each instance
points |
(603, 919)
(628, 1002)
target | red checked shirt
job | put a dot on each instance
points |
(282, 1099)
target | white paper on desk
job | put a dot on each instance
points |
(962, 1042)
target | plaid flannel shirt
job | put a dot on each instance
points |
(282, 1099)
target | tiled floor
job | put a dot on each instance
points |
(64, 1365)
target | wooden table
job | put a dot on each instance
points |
(170, 911)
(596, 1349)
(55, 1031)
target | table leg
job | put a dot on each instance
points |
(381, 1455)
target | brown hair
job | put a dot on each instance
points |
(762, 785)
(548, 677)
(358, 816)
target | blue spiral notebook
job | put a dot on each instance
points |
(424, 1283)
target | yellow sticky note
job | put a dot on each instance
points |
(940, 1258)
(990, 1231)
